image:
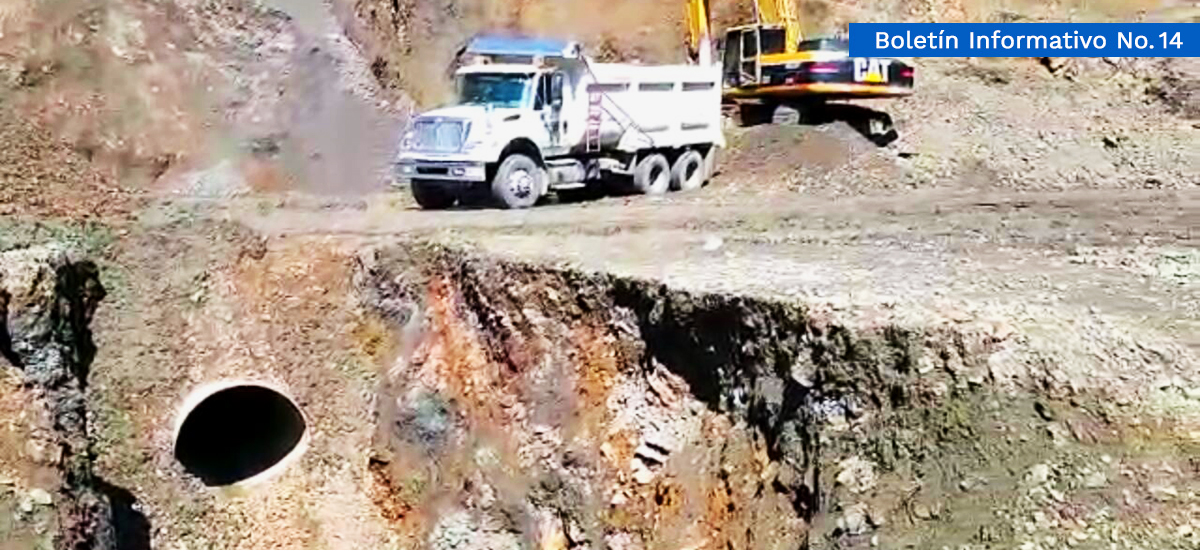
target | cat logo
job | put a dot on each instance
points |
(871, 70)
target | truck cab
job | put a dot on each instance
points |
(495, 104)
(504, 103)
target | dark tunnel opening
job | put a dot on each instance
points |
(237, 433)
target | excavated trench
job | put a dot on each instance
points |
(523, 405)
(567, 409)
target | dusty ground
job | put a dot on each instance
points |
(1126, 253)
(1093, 294)
(984, 333)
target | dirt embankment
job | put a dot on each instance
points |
(213, 98)
(641, 416)
(489, 403)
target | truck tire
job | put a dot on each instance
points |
(519, 182)
(688, 171)
(652, 176)
(710, 163)
(431, 195)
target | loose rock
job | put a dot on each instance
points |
(1039, 474)
(854, 521)
(40, 497)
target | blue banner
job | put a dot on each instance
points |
(1025, 39)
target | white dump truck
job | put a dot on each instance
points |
(535, 116)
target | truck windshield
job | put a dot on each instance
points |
(497, 90)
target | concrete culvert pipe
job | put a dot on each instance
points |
(238, 431)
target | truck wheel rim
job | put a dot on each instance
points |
(520, 182)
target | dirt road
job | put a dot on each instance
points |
(1130, 254)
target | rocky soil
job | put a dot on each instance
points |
(982, 333)
(47, 300)
(736, 422)
(458, 401)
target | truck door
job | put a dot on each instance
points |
(549, 103)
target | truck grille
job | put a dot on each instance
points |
(439, 135)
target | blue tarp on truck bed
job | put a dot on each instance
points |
(521, 46)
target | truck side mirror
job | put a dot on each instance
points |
(556, 90)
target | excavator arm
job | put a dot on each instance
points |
(699, 20)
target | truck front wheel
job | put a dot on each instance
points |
(652, 176)
(519, 182)
(431, 195)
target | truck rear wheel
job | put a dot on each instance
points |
(688, 171)
(519, 182)
(431, 195)
(710, 163)
(652, 176)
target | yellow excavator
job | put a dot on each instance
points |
(770, 63)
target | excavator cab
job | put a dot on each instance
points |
(742, 50)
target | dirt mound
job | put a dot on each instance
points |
(830, 158)
(41, 175)
(1020, 124)
(1016, 124)
(201, 98)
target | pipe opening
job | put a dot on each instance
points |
(238, 432)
